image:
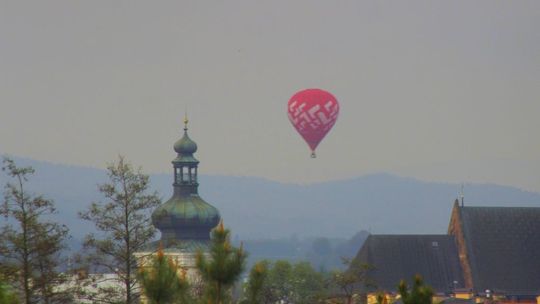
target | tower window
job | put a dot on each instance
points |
(194, 174)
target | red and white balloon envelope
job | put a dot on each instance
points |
(313, 112)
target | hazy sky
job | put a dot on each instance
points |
(441, 90)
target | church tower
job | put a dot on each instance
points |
(185, 220)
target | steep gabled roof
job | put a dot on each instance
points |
(503, 245)
(397, 257)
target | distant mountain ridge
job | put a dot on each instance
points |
(257, 208)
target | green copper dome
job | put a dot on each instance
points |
(185, 145)
(185, 217)
(188, 209)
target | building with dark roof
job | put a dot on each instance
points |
(499, 248)
(494, 250)
(397, 257)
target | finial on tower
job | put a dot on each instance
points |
(186, 120)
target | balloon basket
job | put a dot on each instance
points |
(313, 155)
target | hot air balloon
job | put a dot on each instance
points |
(313, 112)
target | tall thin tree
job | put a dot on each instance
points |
(222, 268)
(30, 246)
(255, 284)
(124, 224)
(354, 281)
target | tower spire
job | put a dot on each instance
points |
(186, 120)
(185, 216)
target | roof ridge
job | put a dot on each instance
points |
(500, 207)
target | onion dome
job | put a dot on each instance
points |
(185, 216)
(185, 147)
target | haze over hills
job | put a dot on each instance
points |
(256, 208)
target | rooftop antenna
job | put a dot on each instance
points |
(462, 195)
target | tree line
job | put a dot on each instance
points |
(32, 246)
(32, 249)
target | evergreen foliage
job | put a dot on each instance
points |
(255, 285)
(418, 294)
(161, 283)
(222, 268)
(125, 227)
(30, 246)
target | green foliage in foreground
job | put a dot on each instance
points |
(6, 294)
(222, 269)
(417, 294)
(256, 282)
(283, 282)
(353, 280)
(161, 283)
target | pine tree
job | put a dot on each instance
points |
(223, 267)
(418, 294)
(256, 281)
(161, 283)
(124, 225)
(30, 246)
